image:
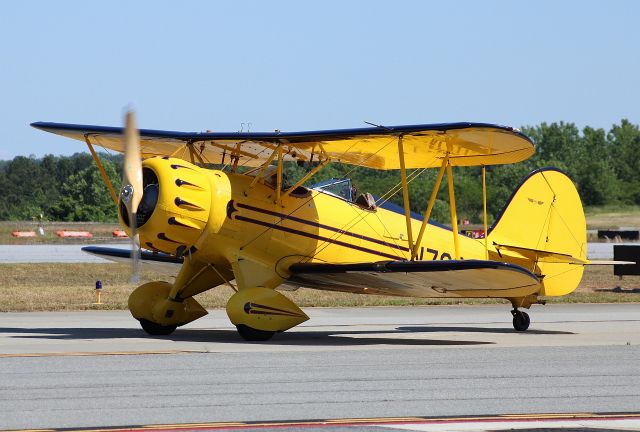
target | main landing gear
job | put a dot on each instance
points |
(254, 335)
(155, 329)
(521, 320)
(258, 313)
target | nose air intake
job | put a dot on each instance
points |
(147, 203)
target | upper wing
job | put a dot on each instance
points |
(425, 146)
(449, 278)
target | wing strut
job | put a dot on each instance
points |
(484, 210)
(311, 173)
(193, 153)
(323, 160)
(405, 193)
(263, 168)
(101, 169)
(279, 177)
(454, 215)
(432, 201)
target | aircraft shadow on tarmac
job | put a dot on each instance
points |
(501, 330)
(620, 290)
(301, 337)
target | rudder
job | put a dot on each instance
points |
(542, 227)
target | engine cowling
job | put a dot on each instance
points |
(175, 206)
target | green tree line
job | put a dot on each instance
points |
(603, 164)
(62, 188)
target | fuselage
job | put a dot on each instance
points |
(221, 218)
(320, 227)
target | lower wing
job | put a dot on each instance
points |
(449, 278)
(159, 262)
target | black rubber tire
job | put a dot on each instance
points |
(254, 335)
(155, 329)
(521, 321)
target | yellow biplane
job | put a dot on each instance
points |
(250, 229)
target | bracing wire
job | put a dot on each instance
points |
(360, 217)
(305, 202)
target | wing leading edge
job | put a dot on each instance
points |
(449, 278)
(160, 262)
(468, 144)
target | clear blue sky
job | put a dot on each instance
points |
(300, 65)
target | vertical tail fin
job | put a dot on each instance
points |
(542, 228)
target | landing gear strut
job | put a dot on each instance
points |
(521, 320)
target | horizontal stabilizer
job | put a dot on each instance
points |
(605, 262)
(538, 255)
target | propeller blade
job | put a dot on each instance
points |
(132, 186)
(132, 172)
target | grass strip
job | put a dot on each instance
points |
(70, 287)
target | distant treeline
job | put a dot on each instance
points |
(62, 188)
(604, 165)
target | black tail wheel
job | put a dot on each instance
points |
(254, 335)
(521, 320)
(155, 329)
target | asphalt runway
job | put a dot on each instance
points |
(92, 369)
(51, 253)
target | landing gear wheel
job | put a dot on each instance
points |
(254, 335)
(157, 329)
(521, 320)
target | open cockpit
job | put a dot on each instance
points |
(344, 188)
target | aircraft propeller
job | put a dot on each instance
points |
(132, 186)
